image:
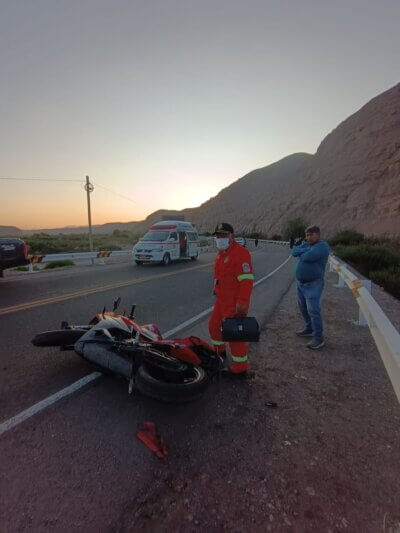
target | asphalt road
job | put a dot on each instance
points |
(77, 466)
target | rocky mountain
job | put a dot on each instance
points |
(259, 201)
(249, 203)
(355, 174)
(352, 181)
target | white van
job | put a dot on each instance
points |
(167, 241)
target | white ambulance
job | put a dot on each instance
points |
(167, 241)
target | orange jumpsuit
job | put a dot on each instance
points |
(233, 283)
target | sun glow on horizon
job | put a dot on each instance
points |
(59, 205)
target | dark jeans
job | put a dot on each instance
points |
(309, 300)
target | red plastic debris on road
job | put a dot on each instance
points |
(150, 438)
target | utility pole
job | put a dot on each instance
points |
(89, 187)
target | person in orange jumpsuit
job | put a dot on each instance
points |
(233, 283)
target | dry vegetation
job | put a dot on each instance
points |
(42, 243)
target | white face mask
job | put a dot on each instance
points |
(222, 243)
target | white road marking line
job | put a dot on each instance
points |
(24, 415)
(186, 323)
(273, 272)
(207, 311)
(43, 404)
(94, 290)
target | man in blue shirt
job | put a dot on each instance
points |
(312, 257)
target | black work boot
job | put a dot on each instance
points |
(305, 332)
(316, 344)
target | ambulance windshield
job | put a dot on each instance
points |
(157, 236)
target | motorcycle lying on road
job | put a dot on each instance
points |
(171, 370)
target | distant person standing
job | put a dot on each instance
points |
(310, 271)
(291, 242)
(256, 242)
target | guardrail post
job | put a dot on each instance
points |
(362, 320)
(340, 283)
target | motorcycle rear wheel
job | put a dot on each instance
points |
(58, 337)
(191, 387)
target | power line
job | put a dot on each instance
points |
(116, 193)
(72, 181)
(42, 179)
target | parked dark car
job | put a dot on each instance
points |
(13, 252)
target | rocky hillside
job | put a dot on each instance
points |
(355, 174)
(353, 181)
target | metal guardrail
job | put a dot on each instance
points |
(78, 256)
(82, 256)
(385, 335)
(263, 241)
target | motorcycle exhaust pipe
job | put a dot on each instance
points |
(102, 356)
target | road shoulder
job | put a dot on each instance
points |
(325, 459)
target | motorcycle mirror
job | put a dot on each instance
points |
(116, 303)
(132, 313)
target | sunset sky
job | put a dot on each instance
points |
(164, 102)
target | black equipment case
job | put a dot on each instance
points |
(240, 329)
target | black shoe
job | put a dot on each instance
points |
(316, 344)
(304, 333)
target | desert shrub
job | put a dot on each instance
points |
(39, 245)
(367, 257)
(57, 264)
(388, 278)
(105, 246)
(294, 228)
(347, 237)
(123, 235)
(256, 235)
(64, 243)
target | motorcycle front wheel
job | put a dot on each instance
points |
(60, 337)
(186, 387)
